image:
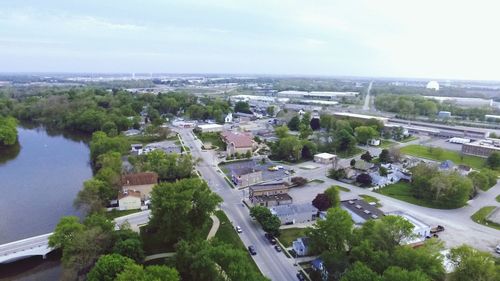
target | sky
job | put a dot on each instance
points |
(422, 39)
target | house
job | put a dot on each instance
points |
(325, 158)
(270, 194)
(228, 118)
(136, 147)
(238, 142)
(374, 142)
(420, 229)
(142, 182)
(301, 246)
(129, 200)
(246, 176)
(131, 132)
(360, 210)
(444, 114)
(447, 165)
(210, 128)
(295, 213)
(319, 266)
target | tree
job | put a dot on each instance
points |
(399, 274)
(365, 133)
(390, 231)
(384, 156)
(269, 222)
(94, 195)
(427, 259)
(333, 195)
(153, 272)
(395, 154)
(364, 179)
(315, 124)
(309, 148)
(360, 272)
(131, 248)
(367, 156)
(282, 131)
(294, 123)
(331, 234)
(305, 131)
(382, 171)
(290, 148)
(493, 161)
(65, 231)
(243, 107)
(353, 162)
(8, 131)
(337, 174)
(270, 110)
(480, 181)
(471, 264)
(101, 144)
(344, 141)
(108, 267)
(322, 202)
(299, 181)
(178, 208)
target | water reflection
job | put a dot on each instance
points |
(9, 152)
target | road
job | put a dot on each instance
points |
(366, 106)
(272, 264)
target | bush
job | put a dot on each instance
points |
(299, 181)
(364, 179)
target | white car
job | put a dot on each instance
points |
(238, 229)
(497, 249)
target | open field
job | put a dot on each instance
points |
(288, 235)
(402, 191)
(442, 155)
(481, 217)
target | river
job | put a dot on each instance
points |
(39, 180)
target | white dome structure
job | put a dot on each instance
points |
(433, 85)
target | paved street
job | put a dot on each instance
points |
(275, 266)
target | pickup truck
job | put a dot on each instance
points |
(437, 229)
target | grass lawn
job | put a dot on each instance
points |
(498, 198)
(423, 152)
(116, 213)
(287, 236)
(408, 139)
(370, 199)
(317, 181)
(228, 234)
(402, 191)
(213, 138)
(386, 143)
(349, 154)
(345, 189)
(481, 217)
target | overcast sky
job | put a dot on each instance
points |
(430, 39)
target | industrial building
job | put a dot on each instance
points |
(481, 148)
(361, 117)
(316, 95)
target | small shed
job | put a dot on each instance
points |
(325, 158)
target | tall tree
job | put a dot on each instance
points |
(365, 133)
(493, 160)
(108, 267)
(331, 234)
(333, 195)
(8, 131)
(471, 264)
(294, 123)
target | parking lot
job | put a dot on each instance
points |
(258, 166)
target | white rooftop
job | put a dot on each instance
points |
(325, 155)
(210, 126)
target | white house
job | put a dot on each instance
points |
(129, 200)
(228, 118)
(374, 142)
(210, 128)
(325, 158)
(301, 246)
(295, 213)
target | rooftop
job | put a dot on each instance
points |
(360, 116)
(325, 155)
(288, 210)
(238, 139)
(268, 186)
(362, 209)
(139, 179)
(210, 126)
(276, 197)
(488, 143)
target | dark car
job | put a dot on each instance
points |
(301, 276)
(252, 251)
(437, 229)
(270, 238)
(277, 248)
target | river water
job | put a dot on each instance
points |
(39, 180)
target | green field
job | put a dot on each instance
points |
(287, 236)
(386, 143)
(402, 191)
(498, 198)
(370, 199)
(481, 217)
(228, 235)
(442, 155)
(213, 139)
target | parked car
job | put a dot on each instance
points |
(277, 248)
(252, 251)
(238, 229)
(301, 276)
(271, 238)
(497, 249)
(437, 229)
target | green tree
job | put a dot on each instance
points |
(493, 161)
(8, 131)
(269, 222)
(243, 107)
(294, 123)
(181, 207)
(331, 234)
(471, 264)
(108, 267)
(399, 274)
(101, 144)
(384, 156)
(290, 148)
(282, 131)
(94, 196)
(344, 141)
(480, 181)
(333, 195)
(131, 248)
(365, 133)
(65, 231)
(153, 272)
(305, 131)
(360, 272)
(270, 110)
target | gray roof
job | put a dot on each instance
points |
(268, 186)
(362, 209)
(288, 210)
